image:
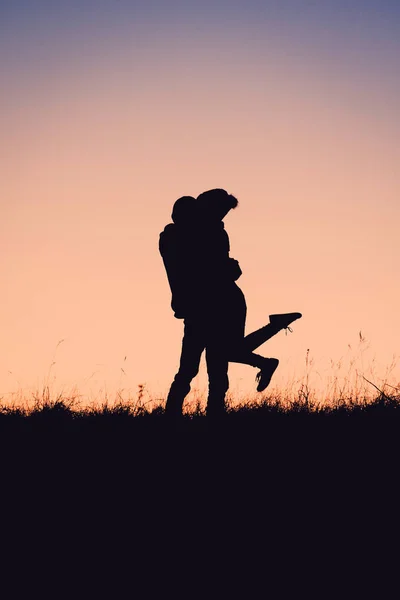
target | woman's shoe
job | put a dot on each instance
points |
(265, 375)
(283, 321)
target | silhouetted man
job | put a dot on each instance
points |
(202, 278)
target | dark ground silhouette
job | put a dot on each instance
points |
(264, 497)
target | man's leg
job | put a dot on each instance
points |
(218, 382)
(192, 348)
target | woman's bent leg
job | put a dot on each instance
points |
(257, 338)
(276, 324)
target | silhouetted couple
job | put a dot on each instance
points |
(202, 277)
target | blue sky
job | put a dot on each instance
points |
(341, 30)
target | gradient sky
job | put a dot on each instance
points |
(112, 110)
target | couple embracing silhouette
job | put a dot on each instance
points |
(202, 277)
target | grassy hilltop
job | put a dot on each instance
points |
(139, 433)
(183, 505)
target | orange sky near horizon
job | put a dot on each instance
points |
(97, 146)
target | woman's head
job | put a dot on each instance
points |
(215, 204)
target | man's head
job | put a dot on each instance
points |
(216, 204)
(183, 210)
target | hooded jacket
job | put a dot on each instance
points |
(177, 251)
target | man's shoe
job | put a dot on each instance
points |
(265, 375)
(283, 321)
